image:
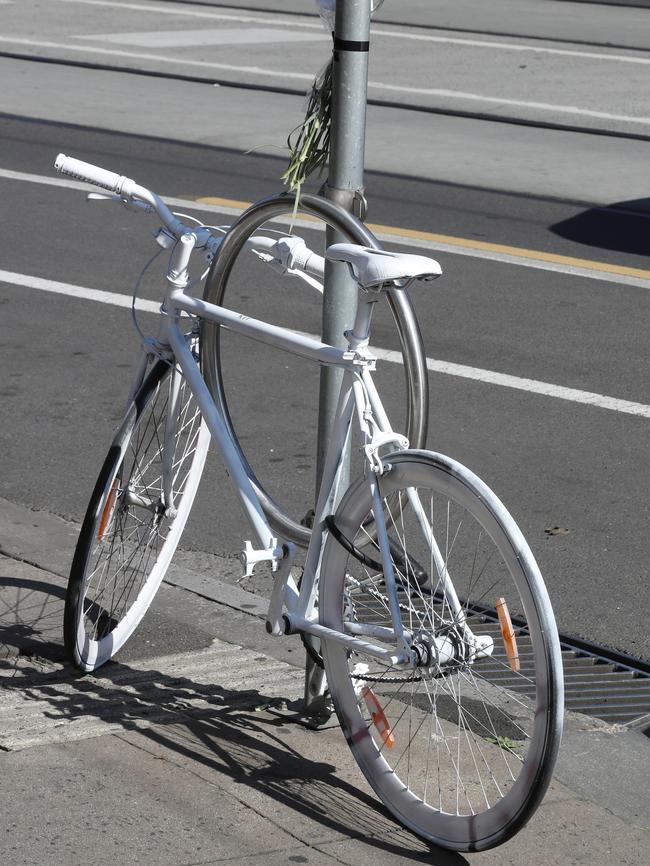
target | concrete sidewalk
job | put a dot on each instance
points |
(196, 757)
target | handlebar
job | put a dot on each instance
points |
(94, 174)
(123, 186)
(287, 254)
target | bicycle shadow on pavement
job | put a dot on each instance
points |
(255, 751)
(31, 617)
(243, 741)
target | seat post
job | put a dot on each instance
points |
(359, 335)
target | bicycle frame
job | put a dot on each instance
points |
(292, 610)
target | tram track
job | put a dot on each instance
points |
(452, 72)
(215, 81)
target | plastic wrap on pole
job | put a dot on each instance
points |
(327, 11)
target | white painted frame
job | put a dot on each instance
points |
(290, 609)
(357, 393)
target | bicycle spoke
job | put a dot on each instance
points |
(462, 723)
(122, 564)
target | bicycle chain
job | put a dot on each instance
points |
(350, 610)
(317, 657)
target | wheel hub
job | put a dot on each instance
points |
(442, 652)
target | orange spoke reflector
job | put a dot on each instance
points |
(378, 716)
(508, 634)
(108, 510)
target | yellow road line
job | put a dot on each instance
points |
(520, 252)
(224, 202)
(482, 246)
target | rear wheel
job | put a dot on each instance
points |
(460, 748)
(134, 519)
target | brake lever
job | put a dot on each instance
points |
(129, 203)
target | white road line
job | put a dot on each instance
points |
(387, 237)
(490, 377)
(499, 100)
(511, 46)
(511, 259)
(534, 386)
(203, 64)
(271, 20)
(392, 34)
(68, 183)
(207, 36)
(100, 297)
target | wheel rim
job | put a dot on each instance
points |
(416, 380)
(472, 749)
(133, 536)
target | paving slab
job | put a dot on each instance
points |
(106, 800)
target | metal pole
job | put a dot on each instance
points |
(344, 186)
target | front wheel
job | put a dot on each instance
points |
(244, 281)
(135, 517)
(460, 743)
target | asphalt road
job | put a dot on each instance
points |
(556, 463)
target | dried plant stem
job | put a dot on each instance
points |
(309, 143)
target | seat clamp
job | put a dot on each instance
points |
(353, 201)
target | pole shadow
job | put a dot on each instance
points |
(622, 227)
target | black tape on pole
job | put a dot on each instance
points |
(350, 45)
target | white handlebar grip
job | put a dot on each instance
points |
(90, 173)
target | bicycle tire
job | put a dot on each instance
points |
(410, 339)
(473, 744)
(125, 547)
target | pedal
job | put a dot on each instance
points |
(250, 557)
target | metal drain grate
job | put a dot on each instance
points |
(603, 683)
(597, 682)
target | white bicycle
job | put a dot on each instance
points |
(433, 622)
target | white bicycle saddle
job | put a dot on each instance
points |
(372, 268)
